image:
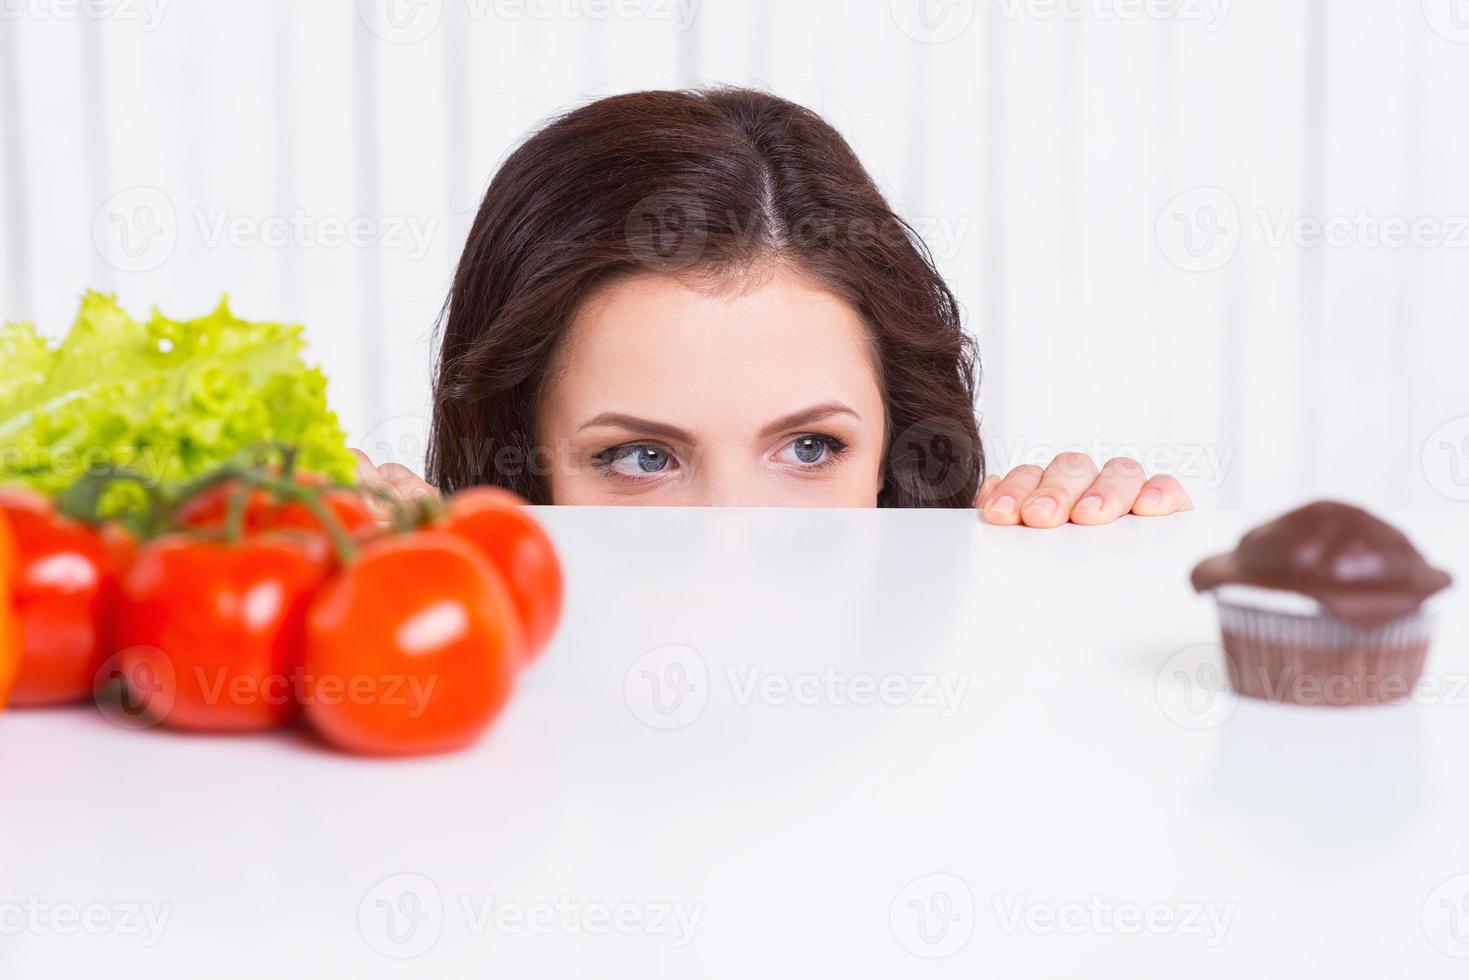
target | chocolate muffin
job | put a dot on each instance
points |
(1324, 605)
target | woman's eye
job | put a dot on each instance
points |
(639, 460)
(811, 450)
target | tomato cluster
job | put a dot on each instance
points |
(261, 597)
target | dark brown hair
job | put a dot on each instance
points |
(702, 183)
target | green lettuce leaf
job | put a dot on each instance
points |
(170, 399)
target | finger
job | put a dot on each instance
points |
(366, 471)
(402, 481)
(984, 490)
(1112, 494)
(1002, 506)
(1060, 487)
(1161, 495)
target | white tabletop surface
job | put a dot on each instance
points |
(902, 744)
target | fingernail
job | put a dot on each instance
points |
(1003, 506)
(1091, 501)
(1151, 496)
(1042, 505)
(417, 493)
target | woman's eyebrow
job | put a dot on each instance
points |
(796, 419)
(808, 416)
(635, 424)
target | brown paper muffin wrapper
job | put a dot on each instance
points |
(1321, 660)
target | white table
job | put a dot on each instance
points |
(1062, 805)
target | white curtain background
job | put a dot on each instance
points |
(1228, 236)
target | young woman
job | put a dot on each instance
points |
(702, 298)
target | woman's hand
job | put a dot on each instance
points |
(1072, 489)
(393, 478)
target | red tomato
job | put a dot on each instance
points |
(350, 509)
(62, 592)
(210, 510)
(410, 649)
(9, 627)
(498, 524)
(210, 635)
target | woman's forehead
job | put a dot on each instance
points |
(662, 341)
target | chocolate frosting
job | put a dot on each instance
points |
(1362, 570)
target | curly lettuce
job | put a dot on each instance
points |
(169, 399)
